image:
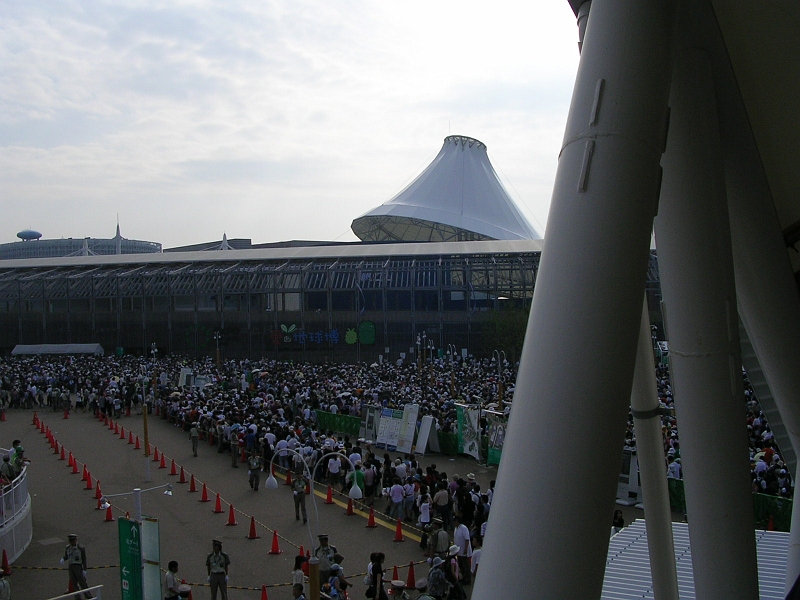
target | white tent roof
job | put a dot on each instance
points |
(457, 197)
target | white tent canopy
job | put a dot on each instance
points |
(24, 349)
(458, 197)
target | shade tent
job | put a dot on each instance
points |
(32, 349)
(458, 197)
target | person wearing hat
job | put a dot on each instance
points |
(422, 589)
(75, 557)
(438, 586)
(7, 470)
(254, 464)
(324, 553)
(398, 590)
(194, 437)
(439, 541)
(19, 460)
(299, 484)
(217, 565)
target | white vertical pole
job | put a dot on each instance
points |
(650, 450)
(695, 265)
(577, 364)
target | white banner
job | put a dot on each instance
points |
(425, 428)
(408, 427)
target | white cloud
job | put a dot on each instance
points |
(272, 120)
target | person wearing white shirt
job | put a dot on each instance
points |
(461, 539)
(334, 470)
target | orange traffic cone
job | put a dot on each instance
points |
(138, 446)
(109, 515)
(395, 574)
(6, 566)
(130, 437)
(172, 469)
(288, 478)
(66, 413)
(163, 463)
(371, 521)
(771, 523)
(83, 477)
(204, 497)
(349, 512)
(302, 551)
(55, 448)
(74, 464)
(116, 428)
(218, 505)
(275, 548)
(97, 493)
(183, 477)
(308, 489)
(89, 485)
(99, 504)
(156, 455)
(63, 454)
(111, 425)
(35, 419)
(127, 411)
(122, 433)
(105, 421)
(264, 593)
(329, 498)
(398, 532)
(411, 582)
(192, 485)
(231, 516)
(253, 535)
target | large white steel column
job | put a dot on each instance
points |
(650, 452)
(549, 526)
(765, 288)
(696, 271)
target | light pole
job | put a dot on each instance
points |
(355, 494)
(137, 498)
(501, 358)
(154, 352)
(419, 356)
(451, 350)
(217, 337)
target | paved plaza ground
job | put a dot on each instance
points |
(61, 506)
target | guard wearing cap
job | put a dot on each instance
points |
(422, 589)
(217, 564)
(75, 557)
(398, 590)
(324, 553)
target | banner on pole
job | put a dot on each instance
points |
(496, 432)
(468, 430)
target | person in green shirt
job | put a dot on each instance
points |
(358, 475)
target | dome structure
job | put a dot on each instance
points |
(27, 235)
(458, 197)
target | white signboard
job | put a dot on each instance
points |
(408, 427)
(425, 429)
(389, 429)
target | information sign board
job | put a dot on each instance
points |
(130, 559)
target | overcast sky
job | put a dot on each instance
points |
(270, 120)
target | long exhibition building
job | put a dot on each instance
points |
(342, 303)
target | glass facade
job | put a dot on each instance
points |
(337, 309)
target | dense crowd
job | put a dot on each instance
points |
(264, 406)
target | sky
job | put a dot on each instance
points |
(269, 120)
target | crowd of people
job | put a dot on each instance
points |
(260, 410)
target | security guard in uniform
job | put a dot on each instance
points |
(217, 564)
(75, 557)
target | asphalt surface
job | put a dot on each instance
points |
(61, 505)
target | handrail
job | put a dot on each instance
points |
(14, 494)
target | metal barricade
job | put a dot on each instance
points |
(16, 522)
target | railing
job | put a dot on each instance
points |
(16, 531)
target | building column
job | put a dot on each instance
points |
(695, 264)
(552, 510)
(646, 411)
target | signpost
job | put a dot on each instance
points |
(130, 559)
